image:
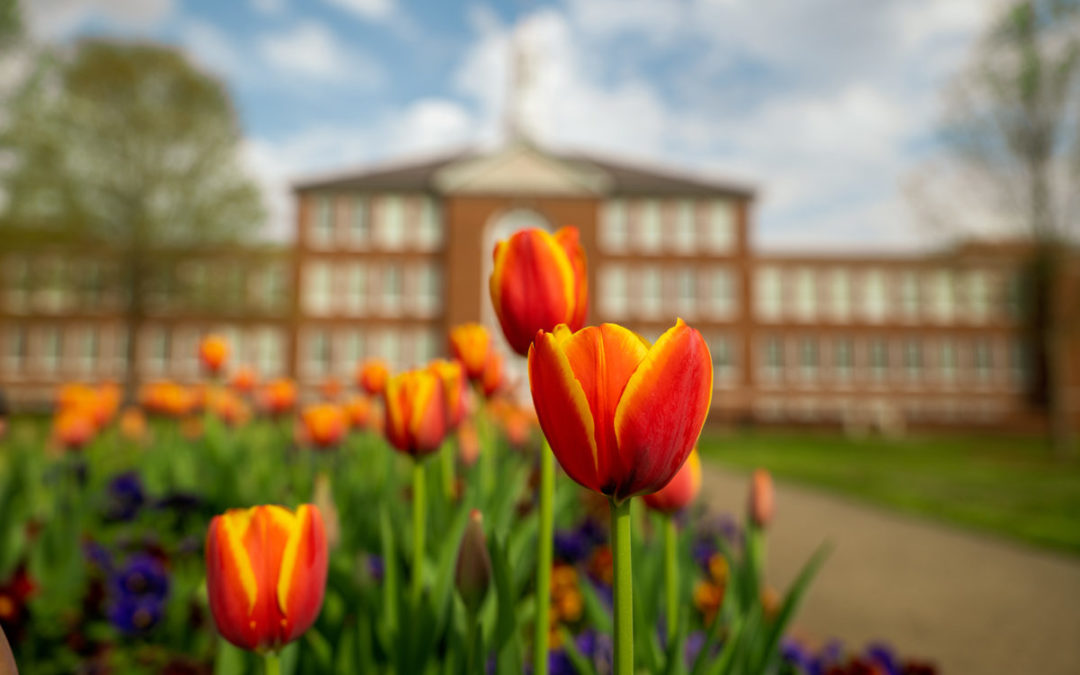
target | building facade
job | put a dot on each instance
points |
(386, 260)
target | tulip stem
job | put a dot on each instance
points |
(446, 456)
(544, 554)
(671, 577)
(624, 588)
(273, 663)
(419, 516)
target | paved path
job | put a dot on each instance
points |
(973, 604)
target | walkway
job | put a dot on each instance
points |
(969, 602)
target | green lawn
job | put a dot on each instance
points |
(1000, 484)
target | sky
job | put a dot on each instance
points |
(827, 107)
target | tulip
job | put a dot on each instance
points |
(213, 351)
(621, 417)
(133, 425)
(472, 576)
(681, 491)
(372, 376)
(452, 376)
(73, 429)
(359, 411)
(266, 574)
(330, 388)
(323, 424)
(761, 498)
(416, 425)
(470, 344)
(492, 380)
(415, 412)
(243, 381)
(539, 282)
(468, 443)
(279, 396)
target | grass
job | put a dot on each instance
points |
(1000, 484)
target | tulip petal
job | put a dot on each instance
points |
(562, 408)
(230, 579)
(302, 580)
(570, 241)
(662, 410)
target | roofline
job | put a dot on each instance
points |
(662, 169)
(385, 165)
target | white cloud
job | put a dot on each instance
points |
(212, 48)
(366, 9)
(52, 19)
(268, 6)
(312, 50)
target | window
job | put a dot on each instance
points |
(805, 294)
(388, 347)
(51, 349)
(390, 223)
(840, 294)
(428, 293)
(356, 288)
(18, 282)
(614, 230)
(614, 299)
(913, 359)
(723, 358)
(269, 358)
(978, 296)
(685, 291)
(943, 295)
(426, 345)
(1016, 296)
(318, 290)
(93, 283)
(649, 236)
(318, 353)
(721, 295)
(947, 362)
(87, 352)
(651, 292)
(879, 359)
(1019, 362)
(684, 235)
(721, 228)
(843, 358)
(322, 227)
(353, 350)
(874, 300)
(909, 295)
(808, 358)
(391, 287)
(158, 348)
(769, 294)
(120, 363)
(15, 349)
(429, 233)
(773, 358)
(360, 223)
(983, 360)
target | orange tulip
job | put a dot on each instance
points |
(279, 397)
(73, 428)
(539, 282)
(470, 344)
(372, 376)
(244, 380)
(133, 424)
(415, 412)
(761, 498)
(266, 574)
(621, 416)
(492, 380)
(213, 351)
(323, 424)
(228, 407)
(681, 491)
(359, 410)
(452, 376)
(468, 443)
(330, 388)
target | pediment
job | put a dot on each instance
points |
(521, 169)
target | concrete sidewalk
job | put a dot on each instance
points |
(973, 604)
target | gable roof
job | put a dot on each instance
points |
(625, 178)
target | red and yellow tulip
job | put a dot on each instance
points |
(266, 574)
(621, 416)
(372, 376)
(243, 380)
(415, 412)
(452, 376)
(278, 397)
(360, 412)
(470, 344)
(324, 424)
(539, 282)
(492, 380)
(73, 428)
(213, 352)
(681, 491)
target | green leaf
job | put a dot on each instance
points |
(791, 603)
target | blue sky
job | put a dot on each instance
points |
(827, 106)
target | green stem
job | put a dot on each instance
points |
(624, 588)
(671, 577)
(419, 517)
(472, 650)
(544, 554)
(487, 450)
(273, 663)
(446, 456)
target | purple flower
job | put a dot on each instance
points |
(125, 497)
(694, 643)
(376, 567)
(97, 555)
(135, 615)
(137, 594)
(571, 546)
(884, 656)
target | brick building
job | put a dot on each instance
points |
(386, 259)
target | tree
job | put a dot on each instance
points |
(129, 147)
(1012, 159)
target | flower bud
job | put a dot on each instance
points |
(473, 574)
(761, 498)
